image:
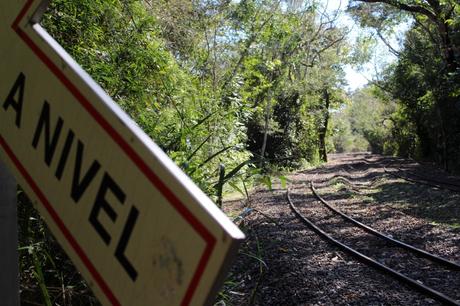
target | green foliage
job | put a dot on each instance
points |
(364, 124)
(342, 137)
(425, 80)
(297, 58)
(121, 44)
(46, 275)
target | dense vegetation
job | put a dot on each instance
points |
(364, 124)
(425, 80)
(233, 90)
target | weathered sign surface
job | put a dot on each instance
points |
(137, 228)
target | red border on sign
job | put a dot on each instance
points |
(130, 152)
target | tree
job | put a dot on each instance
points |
(443, 14)
(297, 59)
(427, 75)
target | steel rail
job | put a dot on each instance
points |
(371, 262)
(432, 180)
(452, 265)
(425, 181)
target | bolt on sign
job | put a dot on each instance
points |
(136, 227)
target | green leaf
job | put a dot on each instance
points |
(235, 186)
(283, 181)
(267, 181)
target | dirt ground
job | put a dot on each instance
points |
(283, 262)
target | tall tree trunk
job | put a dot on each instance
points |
(447, 46)
(323, 128)
(266, 129)
(443, 138)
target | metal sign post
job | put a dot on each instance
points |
(9, 274)
(138, 229)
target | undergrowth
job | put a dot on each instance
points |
(47, 275)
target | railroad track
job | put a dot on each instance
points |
(350, 179)
(428, 273)
(412, 176)
(416, 177)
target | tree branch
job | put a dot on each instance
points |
(392, 50)
(406, 7)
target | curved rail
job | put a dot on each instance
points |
(424, 180)
(452, 265)
(440, 184)
(369, 261)
(434, 180)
